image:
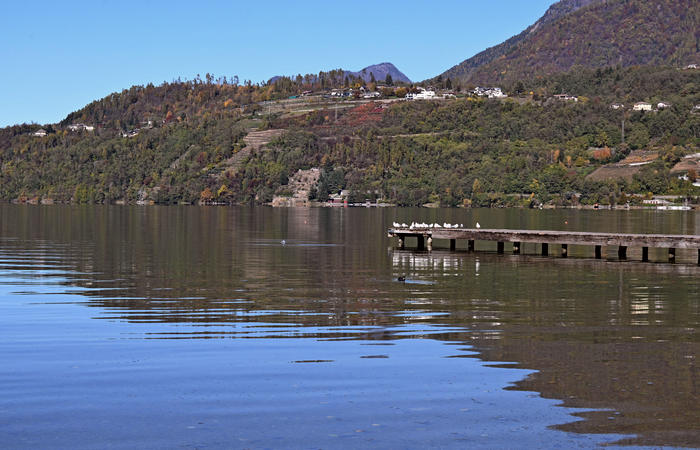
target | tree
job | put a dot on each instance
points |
(638, 137)
(389, 80)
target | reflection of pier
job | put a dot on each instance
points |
(424, 238)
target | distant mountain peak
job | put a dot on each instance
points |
(380, 71)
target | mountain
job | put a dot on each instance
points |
(591, 33)
(555, 12)
(380, 71)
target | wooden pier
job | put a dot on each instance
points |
(622, 241)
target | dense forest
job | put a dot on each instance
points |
(524, 150)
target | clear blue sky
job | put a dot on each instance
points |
(58, 56)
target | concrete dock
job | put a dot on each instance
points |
(425, 236)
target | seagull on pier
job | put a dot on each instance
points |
(477, 225)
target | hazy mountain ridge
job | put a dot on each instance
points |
(592, 34)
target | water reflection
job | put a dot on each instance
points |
(618, 340)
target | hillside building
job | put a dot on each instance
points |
(566, 97)
(423, 94)
(642, 106)
(493, 92)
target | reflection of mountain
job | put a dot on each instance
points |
(600, 335)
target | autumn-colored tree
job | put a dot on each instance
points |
(476, 187)
(206, 196)
(602, 154)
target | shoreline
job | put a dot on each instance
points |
(310, 204)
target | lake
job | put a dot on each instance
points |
(163, 327)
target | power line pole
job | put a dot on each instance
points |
(623, 130)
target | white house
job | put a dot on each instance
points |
(494, 92)
(663, 105)
(424, 95)
(80, 127)
(642, 106)
(691, 66)
(40, 133)
(497, 93)
(130, 133)
(566, 97)
(617, 106)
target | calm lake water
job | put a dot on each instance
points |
(171, 327)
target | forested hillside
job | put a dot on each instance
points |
(525, 150)
(600, 34)
(182, 100)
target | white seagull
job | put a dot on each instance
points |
(477, 225)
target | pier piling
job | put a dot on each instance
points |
(622, 252)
